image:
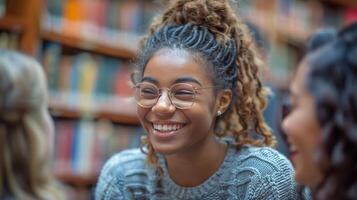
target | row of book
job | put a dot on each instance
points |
(93, 18)
(298, 15)
(87, 74)
(81, 147)
(287, 24)
(9, 40)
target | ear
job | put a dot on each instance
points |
(223, 101)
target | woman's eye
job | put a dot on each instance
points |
(148, 91)
(184, 92)
(186, 95)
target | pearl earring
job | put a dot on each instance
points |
(219, 113)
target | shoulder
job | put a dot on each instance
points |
(119, 172)
(270, 173)
(265, 159)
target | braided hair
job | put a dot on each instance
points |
(332, 82)
(212, 33)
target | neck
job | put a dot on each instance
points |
(195, 165)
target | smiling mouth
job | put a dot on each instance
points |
(292, 150)
(167, 128)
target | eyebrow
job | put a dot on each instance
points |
(186, 79)
(179, 80)
(150, 79)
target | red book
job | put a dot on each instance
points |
(122, 82)
(350, 15)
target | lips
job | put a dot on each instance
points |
(293, 151)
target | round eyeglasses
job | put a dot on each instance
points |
(181, 95)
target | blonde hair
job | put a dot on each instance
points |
(24, 159)
(211, 28)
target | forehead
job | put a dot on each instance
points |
(298, 83)
(166, 66)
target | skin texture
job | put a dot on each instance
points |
(303, 131)
(192, 153)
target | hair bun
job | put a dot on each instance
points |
(216, 15)
(201, 12)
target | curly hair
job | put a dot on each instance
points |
(332, 82)
(212, 33)
(24, 159)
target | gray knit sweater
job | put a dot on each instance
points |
(251, 173)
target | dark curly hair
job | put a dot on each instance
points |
(332, 81)
(211, 32)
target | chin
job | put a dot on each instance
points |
(307, 179)
(165, 149)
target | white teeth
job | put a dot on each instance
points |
(167, 127)
(292, 148)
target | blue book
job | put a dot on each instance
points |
(107, 70)
(51, 62)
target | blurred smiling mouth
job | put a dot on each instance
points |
(293, 151)
(167, 128)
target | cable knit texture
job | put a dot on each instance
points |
(251, 173)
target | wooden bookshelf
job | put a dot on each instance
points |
(77, 180)
(123, 113)
(80, 43)
(346, 3)
(11, 24)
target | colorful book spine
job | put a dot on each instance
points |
(83, 146)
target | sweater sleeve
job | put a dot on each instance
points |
(111, 183)
(275, 179)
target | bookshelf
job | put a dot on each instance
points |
(103, 34)
(125, 114)
(11, 24)
(78, 181)
(93, 113)
(75, 42)
(345, 3)
(287, 25)
(90, 52)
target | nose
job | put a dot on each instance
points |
(285, 125)
(164, 105)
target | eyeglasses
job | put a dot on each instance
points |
(181, 95)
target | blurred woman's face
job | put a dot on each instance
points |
(303, 131)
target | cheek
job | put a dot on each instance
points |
(202, 117)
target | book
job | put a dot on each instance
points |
(2, 8)
(122, 82)
(65, 74)
(51, 61)
(107, 69)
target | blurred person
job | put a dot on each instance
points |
(26, 130)
(321, 126)
(197, 82)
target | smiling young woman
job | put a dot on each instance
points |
(321, 127)
(197, 81)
